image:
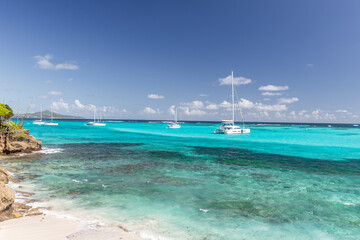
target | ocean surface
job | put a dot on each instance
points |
(281, 181)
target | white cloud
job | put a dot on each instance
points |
(272, 93)
(55, 93)
(280, 115)
(48, 82)
(155, 96)
(193, 104)
(69, 66)
(203, 95)
(44, 62)
(273, 88)
(309, 65)
(212, 107)
(244, 103)
(70, 80)
(171, 110)
(287, 100)
(321, 115)
(225, 104)
(237, 80)
(302, 112)
(192, 112)
(276, 107)
(149, 110)
(194, 108)
(247, 104)
(42, 97)
(78, 104)
(341, 111)
(60, 105)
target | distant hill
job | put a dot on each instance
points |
(46, 115)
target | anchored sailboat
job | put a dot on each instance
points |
(174, 124)
(51, 123)
(228, 126)
(96, 122)
(39, 122)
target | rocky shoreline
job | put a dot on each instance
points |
(15, 143)
(12, 144)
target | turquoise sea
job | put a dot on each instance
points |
(280, 182)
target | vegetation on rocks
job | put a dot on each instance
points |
(6, 125)
(5, 111)
(13, 137)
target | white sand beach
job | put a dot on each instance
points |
(46, 227)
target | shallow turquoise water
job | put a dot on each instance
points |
(279, 182)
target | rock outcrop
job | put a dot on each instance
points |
(7, 195)
(11, 143)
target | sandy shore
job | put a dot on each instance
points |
(46, 227)
(31, 223)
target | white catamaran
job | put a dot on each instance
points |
(228, 126)
(174, 124)
(96, 122)
(39, 122)
(51, 123)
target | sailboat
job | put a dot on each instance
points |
(96, 123)
(174, 124)
(228, 126)
(39, 122)
(51, 123)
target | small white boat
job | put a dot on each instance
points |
(228, 126)
(96, 123)
(175, 123)
(51, 123)
(99, 124)
(355, 125)
(39, 122)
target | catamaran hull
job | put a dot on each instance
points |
(99, 124)
(236, 131)
(174, 125)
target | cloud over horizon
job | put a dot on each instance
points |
(155, 96)
(44, 62)
(237, 81)
(273, 88)
(55, 93)
(288, 100)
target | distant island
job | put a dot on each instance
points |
(46, 115)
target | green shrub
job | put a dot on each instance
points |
(5, 111)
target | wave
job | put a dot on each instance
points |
(50, 150)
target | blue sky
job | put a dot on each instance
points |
(294, 61)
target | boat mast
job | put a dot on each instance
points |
(232, 96)
(175, 115)
(40, 113)
(51, 114)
